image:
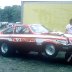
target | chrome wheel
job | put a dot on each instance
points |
(4, 48)
(50, 49)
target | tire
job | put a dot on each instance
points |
(68, 57)
(50, 50)
(6, 49)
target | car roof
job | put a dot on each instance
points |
(25, 24)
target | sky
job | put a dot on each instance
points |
(4, 3)
(46, 0)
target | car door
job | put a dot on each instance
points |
(23, 34)
(24, 37)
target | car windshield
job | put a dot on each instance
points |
(39, 29)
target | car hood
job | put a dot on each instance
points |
(69, 37)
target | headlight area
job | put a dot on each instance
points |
(63, 42)
(40, 41)
(62, 45)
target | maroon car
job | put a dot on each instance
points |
(26, 38)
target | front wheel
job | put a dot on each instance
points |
(50, 50)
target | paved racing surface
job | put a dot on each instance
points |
(33, 63)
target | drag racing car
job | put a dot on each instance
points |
(32, 37)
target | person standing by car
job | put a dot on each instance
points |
(68, 55)
(69, 27)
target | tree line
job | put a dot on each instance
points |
(10, 14)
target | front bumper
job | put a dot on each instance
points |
(63, 50)
(66, 47)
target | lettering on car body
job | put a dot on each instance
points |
(23, 40)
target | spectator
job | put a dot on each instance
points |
(69, 27)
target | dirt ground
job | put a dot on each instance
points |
(33, 63)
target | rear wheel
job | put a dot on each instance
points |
(50, 50)
(6, 49)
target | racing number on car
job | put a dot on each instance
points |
(23, 40)
(16, 39)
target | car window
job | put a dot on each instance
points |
(39, 29)
(8, 31)
(26, 31)
(21, 30)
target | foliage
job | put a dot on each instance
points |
(10, 14)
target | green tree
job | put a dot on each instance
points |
(16, 13)
(6, 15)
(11, 14)
(0, 14)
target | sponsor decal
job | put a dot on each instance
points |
(23, 40)
(39, 41)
